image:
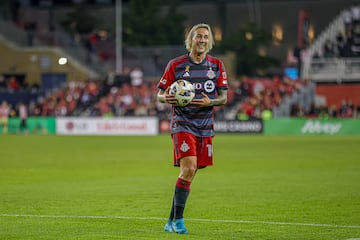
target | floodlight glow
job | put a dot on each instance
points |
(62, 61)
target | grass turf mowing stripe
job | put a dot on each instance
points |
(188, 219)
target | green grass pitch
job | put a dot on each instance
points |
(120, 187)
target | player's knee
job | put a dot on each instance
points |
(188, 172)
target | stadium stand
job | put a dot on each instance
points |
(333, 57)
(332, 62)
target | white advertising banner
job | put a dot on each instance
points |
(107, 126)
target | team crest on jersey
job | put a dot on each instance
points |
(210, 73)
(184, 147)
(187, 70)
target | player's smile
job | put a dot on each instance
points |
(201, 47)
(200, 40)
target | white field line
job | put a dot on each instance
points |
(187, 219)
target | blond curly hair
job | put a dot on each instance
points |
(190, 35)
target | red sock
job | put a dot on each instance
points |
(181, 183)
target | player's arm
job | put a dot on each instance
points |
(164, 96)
(220, 99)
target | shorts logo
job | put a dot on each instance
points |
(184, 147)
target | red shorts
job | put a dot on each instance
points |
(187, 144)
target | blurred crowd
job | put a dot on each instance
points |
(256, 98)
(125, 95)
(130, 95)
(259, 96)
(347, 109)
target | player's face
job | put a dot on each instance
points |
(200, 41)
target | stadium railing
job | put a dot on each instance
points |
(317, 46)
(305, 96)
(334, 70)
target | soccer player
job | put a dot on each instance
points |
(192, 126)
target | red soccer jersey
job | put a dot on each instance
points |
(208, 77)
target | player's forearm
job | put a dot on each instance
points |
(221, 99)
(161, 96)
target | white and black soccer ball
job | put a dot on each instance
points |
(184, 92)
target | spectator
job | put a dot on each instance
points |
(74, 33)
(346, 109)
(92, 41)
(333, 112)
(343, 108)
(23, 115)
(340, 42)
(4, 116)
(242, 115)
(347, 19)
(329, 50)
(141, 110)
(324, 113)
(30, 31)
(3, 84)
(124, 78)
(14, 9)
(242, 90)
(346, 50)
(297, 111)
(313, 111)
(13, 84)
(136, 76)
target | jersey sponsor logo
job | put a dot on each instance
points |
(209, 86)
(210, 74)
(197, 86)
(163, 81)
(184, 147)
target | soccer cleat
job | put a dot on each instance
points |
(179, 227)
(168, 226)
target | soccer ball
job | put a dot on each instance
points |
(184, 92)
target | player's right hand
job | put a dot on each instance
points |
(170, 98)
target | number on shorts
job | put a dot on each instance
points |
(209, 148)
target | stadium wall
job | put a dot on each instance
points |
(335, 93)
(32, 62)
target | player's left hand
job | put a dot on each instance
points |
(202, 102)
